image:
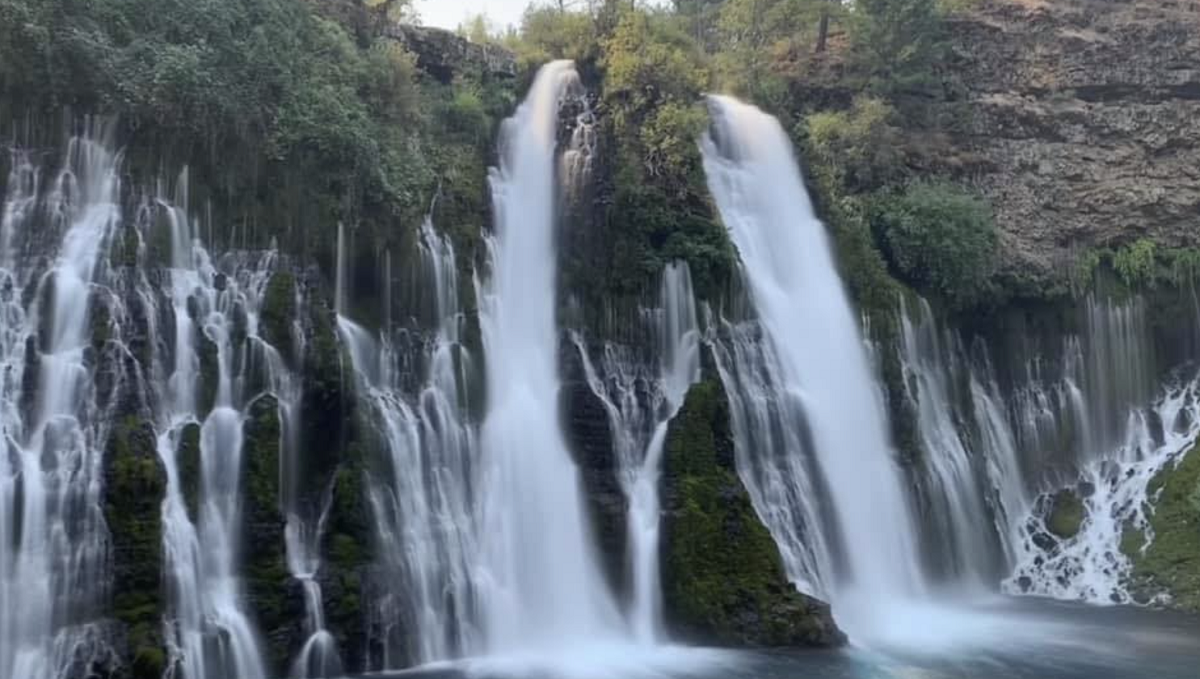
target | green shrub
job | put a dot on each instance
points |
(939, 238)
(858, 147)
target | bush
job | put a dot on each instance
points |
(940, 238)
(857, 148)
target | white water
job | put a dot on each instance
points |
(541, 585)
(211, 636)
(53, 537)
(638, 423)
(421, 503)
(820, 364)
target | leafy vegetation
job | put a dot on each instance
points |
(939, 237)
(1170, 563)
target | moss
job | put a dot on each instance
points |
(149, 662)
(264, 547)
(188, 455)
(326, 406)
(1171, 562)
(348, 549)
(135, 483)
(278, 312)
(1066, 515)
(723, 576)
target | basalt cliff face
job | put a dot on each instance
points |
(1082, 123)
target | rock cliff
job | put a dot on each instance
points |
(1082, 122)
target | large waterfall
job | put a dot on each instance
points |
(813, 374)
(544, 587)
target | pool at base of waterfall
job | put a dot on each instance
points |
(994, 639)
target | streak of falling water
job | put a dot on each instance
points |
(807, 320)
(542, 584)
(639, 429)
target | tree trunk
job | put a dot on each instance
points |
(823, 31)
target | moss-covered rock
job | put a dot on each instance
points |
(1067, 512)
(265, 551)
(134, 486)
(277, 313)
(723, 577)
(326, 405)
(1170, 563)
(348, 552)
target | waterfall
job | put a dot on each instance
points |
(211, 635)
(53, 537)
(640, 405)
(1081, 417)
(955, 480)
(543, 587)
(821, 380)
(421, 500)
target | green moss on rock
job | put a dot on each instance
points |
(723, 576)
(264, 547)
(1067, 512)
(278, 311)
(1170, 563)
(134, 487)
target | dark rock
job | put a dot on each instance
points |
(589, 437)
(444, 54)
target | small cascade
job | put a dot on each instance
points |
(940, 383)
(421, 499)
(640, 402)
(812, 376)
(53, 537)
(541, 584)
(211, 635)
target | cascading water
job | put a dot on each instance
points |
(542, 587)
(53, 537)
(821, 381)
(639, 428)
(1080, 421)
(211, 635)
(421, 503)
(955, 480)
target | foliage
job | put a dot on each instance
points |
(858, 147)
(547, 34)
(940, 238)
(1136, 263)
(897, 43)
(256, 95)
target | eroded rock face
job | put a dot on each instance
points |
(444, 54)
(1082, 122)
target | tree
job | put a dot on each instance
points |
(897, 42)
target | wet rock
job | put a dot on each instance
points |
(1067, 513)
